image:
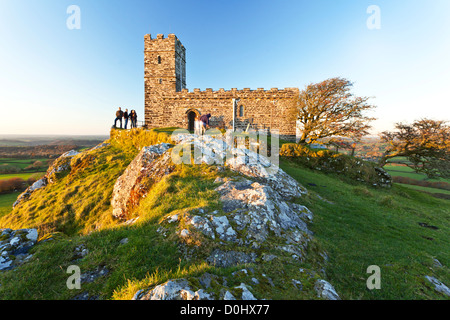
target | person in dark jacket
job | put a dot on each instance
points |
(133, 118)
(205, 121)
(119, 116)
(125, 117)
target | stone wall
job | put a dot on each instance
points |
(168, 103)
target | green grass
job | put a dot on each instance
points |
(366, 226)
(424, 189)
(21, 163)
(24, 176)
(404, 171)
(63, 206)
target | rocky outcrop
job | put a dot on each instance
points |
(438, 285)
(212, 150)
(258, 212)
(62, 164)
(59, 168)
(174, 290)
(148, 167)
(181, 289)
(325, 290)
(14, 247)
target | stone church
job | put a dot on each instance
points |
(168, 103)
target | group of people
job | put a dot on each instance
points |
(132, 116)
(201, 123)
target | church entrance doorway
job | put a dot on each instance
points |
(191, 120)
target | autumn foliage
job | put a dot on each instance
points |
(329, 109)
(425, 143)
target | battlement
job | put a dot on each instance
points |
(172, 38)
(234, 93)
(160, 36)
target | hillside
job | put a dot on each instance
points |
(140, 226)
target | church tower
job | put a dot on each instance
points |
(165, 73)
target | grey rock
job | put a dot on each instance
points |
(5, 263)
(15, 246)
(175, 290)
(297, 284)
(228, 296)
(150, 162)
(91, 276)
(437, 263)
(201, 223)
(223, 228)
(246, 294)
(85, 296)
(269, 257)
(325, 290)
(138, 295)
(32, 235)
(438, 285)
(184, 233)
(225, 259)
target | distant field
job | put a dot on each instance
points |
(404, 171)
(425, 189)
(21, 163)
(24, 176)
(398, 160)
(18, 166)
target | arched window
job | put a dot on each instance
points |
(159, 59)
(241, 111)
(160, 81)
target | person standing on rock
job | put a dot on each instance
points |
(133, 118)
(125, 117)
(119, 115)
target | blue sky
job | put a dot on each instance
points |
(54, 80)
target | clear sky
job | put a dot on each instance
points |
(54, 80)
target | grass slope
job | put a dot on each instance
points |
(361, 226)
(358, 226)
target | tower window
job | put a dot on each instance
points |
(159, 59)
(241, 111)
(160, 81)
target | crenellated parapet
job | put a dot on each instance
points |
(233, 93)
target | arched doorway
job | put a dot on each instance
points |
(191, 115)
